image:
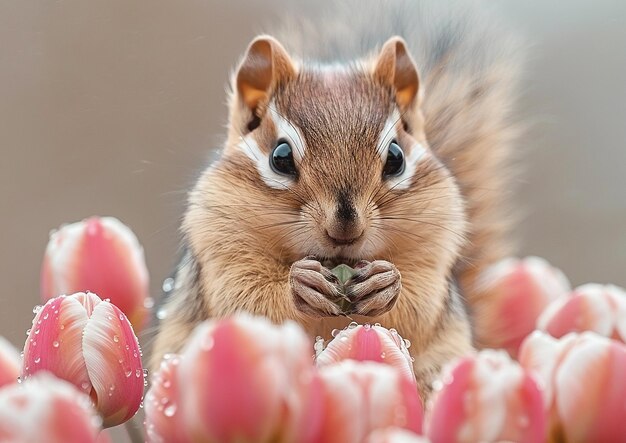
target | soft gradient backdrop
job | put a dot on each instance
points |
(113, 107)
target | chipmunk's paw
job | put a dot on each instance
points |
(313, 287)
(374, 289)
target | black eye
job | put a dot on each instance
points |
(395, 160)
(281, 159)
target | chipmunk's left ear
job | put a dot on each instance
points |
(395, 67)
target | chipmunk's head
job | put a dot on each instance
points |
(333, 161)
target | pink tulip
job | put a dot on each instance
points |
(584, 379)
(100, 255)
(591, 307)
(395, 435)
(487, 397)
(90, 343)
(9, 363)
(241, 379)
(163, 420)
(510, 296)
(46, 409)
(361, 397)
(368, 343)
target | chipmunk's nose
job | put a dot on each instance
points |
(345, 225)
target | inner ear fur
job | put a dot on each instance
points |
(395, 67)
(265, 65)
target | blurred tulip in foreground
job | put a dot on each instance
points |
(361, 397)
(487, 397)
(591, 307)
(584, 379)
(511, 295)
(163, 418)
(90, 343)
(368, 343)
(241, 379)
(46, 409)
(9, 363)
(395, 435)
(100, 255)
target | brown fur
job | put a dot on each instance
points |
(243, 236)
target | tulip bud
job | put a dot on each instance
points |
(46, 409)
(90, 343)
(100, 255)
(241, 379)
(9, 363)
(510, 296)
(368, 343)
(583, 377)
(487, 397)
(163, 420)
(395, 435)
(361, 397)
(591, 307)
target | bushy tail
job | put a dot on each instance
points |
(469, 67)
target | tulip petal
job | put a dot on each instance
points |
(591, 390)
(161, 405)
(368, 343)
(46, 409)
(113, 360)
(395, 435)
(9, 363)
(54, 343)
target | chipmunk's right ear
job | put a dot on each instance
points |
(265, 65)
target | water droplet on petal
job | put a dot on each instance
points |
(353, 325)
(28, 332)
(138, 373)
(116, 339)
(62, 327)
(170, 410)
(407, 343)
(335, 332)
(36, 331)
(128, 373)
(382, 354)
(36, 309)
(367, 326)
(161, 313)
(168, 285)
(141, 405)
(45, 316)
(55, 344)
(377, 324)
(84, 385)
(145, 373)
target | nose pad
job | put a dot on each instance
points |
(346, 226)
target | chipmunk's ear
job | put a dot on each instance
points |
(265, 65)
(395, 67)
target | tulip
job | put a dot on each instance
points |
(584, 382)
(90, 343)
(591, 307)
(368, 343)
(509, 297)
(163, 421)
(361, 397)
(100, 255)
(241, 379)
(395, 435)
(9, 363)
(46, 409)
(487, 397)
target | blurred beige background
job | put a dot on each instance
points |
(112, 107)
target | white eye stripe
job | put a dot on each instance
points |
(388, 133)
(250, 147)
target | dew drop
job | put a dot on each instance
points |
(382, 354)
(335, 332)
(116, 339)
(19, 379)
(161, 313)
(28, 332)
(170, 410)
(55, 344)
(36, 309)
(108, 300)
(128, 373)
(84, 385)
(141, 405)
(353, 325)
(62, 327)
(45, 316)
(377, 325)
(148, 303)
(122, 318)
(138, 373)
(407, 343)
(36, 331)
(109, 317)
(367, 326)
(319, 345)
(168, 285)
(34, 343)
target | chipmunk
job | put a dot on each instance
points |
(379, 139)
